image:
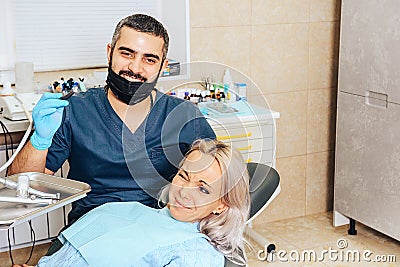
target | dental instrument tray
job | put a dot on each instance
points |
(43, 193)
(220, 107)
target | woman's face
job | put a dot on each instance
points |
(196, 189)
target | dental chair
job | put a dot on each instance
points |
(264, 187)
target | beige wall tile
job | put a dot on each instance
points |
(292, 125)
(226, 45)
(291, 200)
(319, 182)
(321, 118)
(279, 11)
(211, 13)
(324, 54)
(279, 57)
(324, 10)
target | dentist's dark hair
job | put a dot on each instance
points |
(142, 23)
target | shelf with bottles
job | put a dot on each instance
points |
(205, 92)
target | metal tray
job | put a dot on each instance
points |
(12, 214)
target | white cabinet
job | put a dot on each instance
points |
(256, 143)
(251, 130)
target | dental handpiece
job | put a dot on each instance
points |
(65, 97)
(43, 194)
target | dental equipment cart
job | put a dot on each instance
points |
(30, 196)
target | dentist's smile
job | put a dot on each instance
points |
(131, 78)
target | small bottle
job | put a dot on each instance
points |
(186, 97)
(7, 90)
(193, 98)
(212, 91)
(82, 86)
(226, 91)
(229, 86)
(199, 96)
(218, 95)
(242, 91)
(208, 96)
(203, 96)
(76, 87)
(223, 98)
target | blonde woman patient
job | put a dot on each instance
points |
(207, 207)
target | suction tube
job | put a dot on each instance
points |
(24, 138)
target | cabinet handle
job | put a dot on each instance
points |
(376, 99)
(225, 137)
(245, 148)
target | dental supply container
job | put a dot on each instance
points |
(241, 89)
(228, 86)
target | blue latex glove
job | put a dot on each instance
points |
(47, 117)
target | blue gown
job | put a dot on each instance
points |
(131, 234)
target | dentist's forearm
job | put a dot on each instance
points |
(29, 159)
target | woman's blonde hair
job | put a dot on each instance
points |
(225, 230)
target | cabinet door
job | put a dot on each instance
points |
(369, 48)
(40, 228)
(367, 183)
(265, 157)
(4, 239)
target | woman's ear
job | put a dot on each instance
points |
(222, 207)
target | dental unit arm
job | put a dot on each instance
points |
(26, 194)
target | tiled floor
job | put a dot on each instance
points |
(312, 233)
(21, 255)
(316, 233)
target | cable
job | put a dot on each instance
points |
(5, 139)
(34, 240)
(9, 247)
(9, 135)
(33, 244)
(6, 132)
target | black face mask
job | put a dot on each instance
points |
(128, 92)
